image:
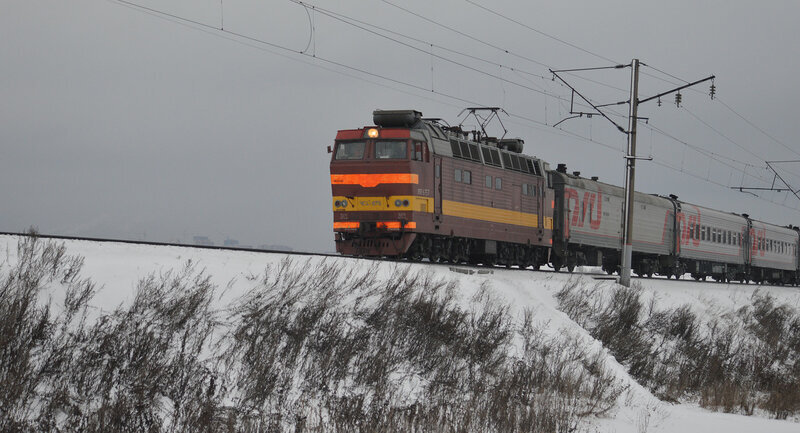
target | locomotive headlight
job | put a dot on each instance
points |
(397, 203)
(337, 203)
(372, 133)
(405, 203)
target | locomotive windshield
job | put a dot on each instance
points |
(390, 149)
(350, 150)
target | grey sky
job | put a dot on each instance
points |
(119, 123)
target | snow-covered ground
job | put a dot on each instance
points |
(117, 267)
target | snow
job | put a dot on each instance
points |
(117, 267)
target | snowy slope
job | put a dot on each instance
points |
(117, 267)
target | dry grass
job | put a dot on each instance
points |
(309, 348)
(740, 362)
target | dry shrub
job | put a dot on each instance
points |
(312, 347)
(735, 363)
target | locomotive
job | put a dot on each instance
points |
(412, 187)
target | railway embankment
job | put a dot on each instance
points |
(102, 335)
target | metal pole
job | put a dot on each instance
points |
(630, 174)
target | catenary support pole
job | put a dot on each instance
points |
(630, 175)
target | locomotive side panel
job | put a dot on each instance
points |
(484, 202)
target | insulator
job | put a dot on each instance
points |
(659, 101)
(678, 98)
(713, 90)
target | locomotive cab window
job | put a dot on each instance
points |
(419, 151)
(390, 150)
(488, 182)
(498, 183)
(347, 151)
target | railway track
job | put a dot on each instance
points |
(459, 268)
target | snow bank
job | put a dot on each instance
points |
(116, 268)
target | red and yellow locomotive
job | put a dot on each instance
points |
(412, 187)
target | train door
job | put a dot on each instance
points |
(540, 201)
(747, 243)
(437, 193)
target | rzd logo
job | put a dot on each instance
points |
(592, 204)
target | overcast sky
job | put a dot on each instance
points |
(126, 123)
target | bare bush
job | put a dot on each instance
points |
(735, 363)
(314, 346)
(406, 355)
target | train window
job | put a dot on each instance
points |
(350, 150)
(418, 151)
(506, 160)
(488, 182)
(467, 177)
(465, 150)
(498, 183)
(390, 149)
(487, 156)
(523, 164)
(533, 190)
(455, 148)
(475, 154)
(458, 175)
(438, 171)
(697, 231)
(495, 157)
(524, 189)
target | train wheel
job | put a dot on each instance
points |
(556, 263)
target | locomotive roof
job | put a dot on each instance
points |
(441, 138)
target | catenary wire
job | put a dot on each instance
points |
(204, 27)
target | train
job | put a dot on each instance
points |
(416, 188)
